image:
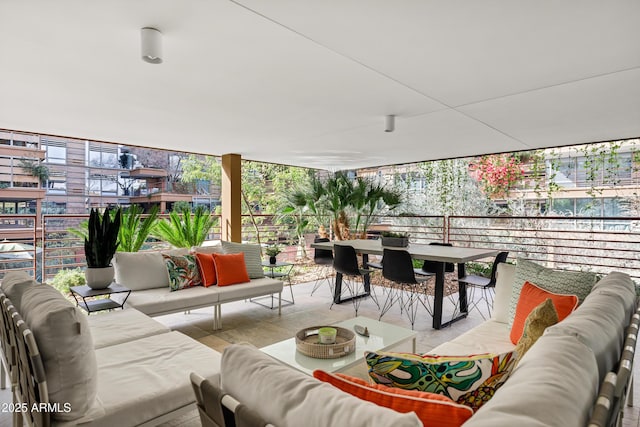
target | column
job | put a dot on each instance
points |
(231, 226)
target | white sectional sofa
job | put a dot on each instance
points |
(555, 384)
(119, 368)
(145, 274)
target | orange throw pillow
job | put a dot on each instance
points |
(532, 296)
(230, 269)
(207, 269)
(434, 410)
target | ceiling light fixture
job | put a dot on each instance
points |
(151, 45)
(389, 123)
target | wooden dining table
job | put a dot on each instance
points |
(440, 254)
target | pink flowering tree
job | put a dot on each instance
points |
(497, 174)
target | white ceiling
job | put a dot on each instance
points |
(309, 82)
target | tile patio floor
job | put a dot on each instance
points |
(245, 321)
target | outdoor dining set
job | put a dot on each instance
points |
(403, 283)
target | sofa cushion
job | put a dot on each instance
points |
(540, 318)
(488, 337)
(183, 271)
(557, 281)
(140, 270)
(553, 385)
(14, 283)
(252, 258)
(117, 327)
(502, 298)
(230, 269)
(601, 320)
(254, 288)
(434, 410)
(530, 297)
(65, 344)
(252, 377)
(470, 380)
(160, 301)
(207, 269)
(144, 379)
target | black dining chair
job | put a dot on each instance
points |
(485, 285)
(323, 259)
(429, 268)
(345, 262)
(407, 289)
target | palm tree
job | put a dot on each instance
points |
(294, 206)
(134, 230)
(183, 230)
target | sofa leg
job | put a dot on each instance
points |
(279, 303)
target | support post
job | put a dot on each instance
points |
(231, 197)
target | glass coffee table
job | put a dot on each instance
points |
(382, 336)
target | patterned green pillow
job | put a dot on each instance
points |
(183, 271)
(468, 380)
(557, 281)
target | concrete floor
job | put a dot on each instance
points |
(249, 322)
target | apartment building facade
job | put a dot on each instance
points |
(81, 174)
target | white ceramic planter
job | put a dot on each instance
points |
(99, 278)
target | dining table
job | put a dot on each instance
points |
(440, 254)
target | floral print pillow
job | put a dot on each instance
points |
(468, 380)
(183, 271)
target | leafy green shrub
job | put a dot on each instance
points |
(67, 278)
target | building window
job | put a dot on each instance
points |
(54, 208)
(56, 152)
(103, 156)
(57, 183)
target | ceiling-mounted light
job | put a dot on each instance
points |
(389, 123)
(151, 45)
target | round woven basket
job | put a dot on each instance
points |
(308, 343)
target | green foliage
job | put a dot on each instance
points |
(67, 278)
(352, 202)
(184, 230)
(180, 206)
(196, 168)
(36, 169)
(101, 242)
(135, 229)
(272, 250)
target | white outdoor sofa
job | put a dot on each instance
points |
(119, 368)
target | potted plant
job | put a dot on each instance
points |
(100, 245)
(272, 251)
(395, 239)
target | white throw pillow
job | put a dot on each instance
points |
(14, 284)
(66, 347)
(252, 258)
(140, 270)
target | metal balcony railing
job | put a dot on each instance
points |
(590, 244)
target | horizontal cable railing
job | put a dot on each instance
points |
(18, 244)
(570, 243)
(594, 244)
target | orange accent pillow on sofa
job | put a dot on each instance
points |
(530, 297)
(207, 268)
(230, 269)
(434, 410)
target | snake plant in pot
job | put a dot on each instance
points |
(100, 245)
